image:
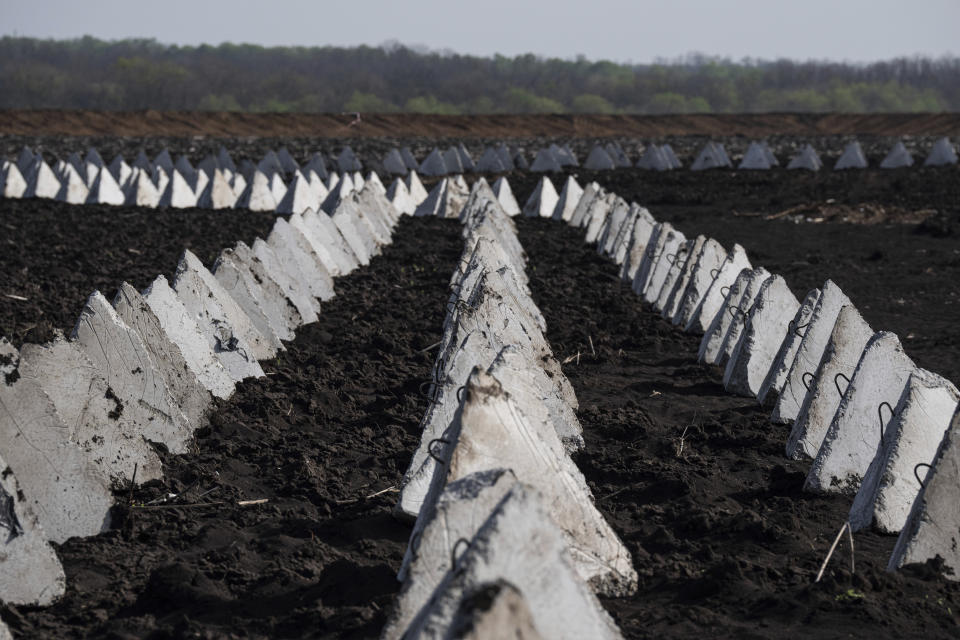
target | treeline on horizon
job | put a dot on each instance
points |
(88, 73)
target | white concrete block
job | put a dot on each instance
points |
(580, 216)
(321, 246)
(494, 610)
(85, 404)
(73, 190)
(179, 193)
(756, 158)
(105, 190)
(434, 164)
(599, 159)
(744, 288)
(777, 377)
(739, 316)
(715, 297)
(415, 187)
(142, 192)
(67, 492)
(257, 196)
(283, 313)
(807, 159)
(543, 200)
(640, 235)
(505, 195)
(544, 162)
(852, 157)
(941, 154)
(518, 544)
(121, 357)
(893, 480)
(42, 182)
(597, 216)
(292, 247)
(493, 431)
(569, 197)
(241, 285)
(14, 184)
(290, 282)
(299, 196)
(217, 194)
(399, 197)
(674, 289)
(30, 572)
(847, 341)
(610, 228)
(706, 267)
(933, 526)
(326, 231)
(349, 212)
(182, 329)
(621, 243)
(816, 335)
(859, 426)
(765, 331)
(897, 157)
(227, 329)
(651, 254)
(669, 243)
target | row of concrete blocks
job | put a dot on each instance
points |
(877, 427)
(77, 415)
(507, 541)
(215, 184)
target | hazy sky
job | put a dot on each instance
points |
(854, 30)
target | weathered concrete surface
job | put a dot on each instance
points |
(121, 357)
(567, 202)
(459, 512)
(288, 276)
(188, 394)
(494, 610)
(580, 215)
(668, 244)
(30, 572)
(66, 491)
(933, 526)
(684, 266)
(860, 424)
(243, 288)
(244, 276)
(319, 244)
(893, 480)
(765, 331)
(182, 330)
(640, 235)
(777, 376)
(598, 214)
(257, 196)
(810, 352)
(355, 238)
(416, 188)
(621, 244)
(291, 246)
(178, 193)
(222, 322)
(326, 230)
(85, 404)
(493, 431)
(739, 315)
(706, 267)
(715, 297)
(846, 344)
(713, 341)
(399, 197)
(505, 196)
(609, 231)
(542, 201)
(521, 545)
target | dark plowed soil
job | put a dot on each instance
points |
(321, 437)
(696, 482)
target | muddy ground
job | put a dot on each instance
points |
(724, 541)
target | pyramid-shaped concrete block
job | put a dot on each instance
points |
(671, 157)
(640, 235)
(674, 290)
(320, 245)
(706, 268)
(434, 164)
(941, 154)
(490, 162)
(248, 294)
(294, 249)
(318, 165)
(299, 196)
(257, 196)
(506, 158)
(120, 355)
(712, 156)
(188, 394)
(30, 572)
(668, 246)
(505, 197)
(73, 190)
(492, 426)
(217, 194)
(766, 329)
(277, 187)
(141, 192)
(618, 155)
(621, 244)
(599, 160)
(569, 197)
(757, 157)
(183, 331)
(229, 332)
(651, 254)
(893, 480)
(932, 529)
(860, 424)
(287, 164)
(93, 157)
(14, 184)
(61, 485)
(715, 297)
(852, 157)
(43, 182)
(558, 602)
(25, 159)
(408, 158)
(105, 190)
(393, 163)
(897, 157)
(814, 341)
(453, 161)
(783, 362)
(288, 277)
(727, 322)
(655, 159)
(399, 197)
(326, 231)
(270, 165)
(164, 161)
(348, 161)
(283, 312)
(542, 201)
(142, 162)
(848, 339)
(545, 162)
(597, 216)
(178, 193)
(353, 236)
(85, 404)
(415, 187)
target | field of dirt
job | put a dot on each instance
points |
(725, 542)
